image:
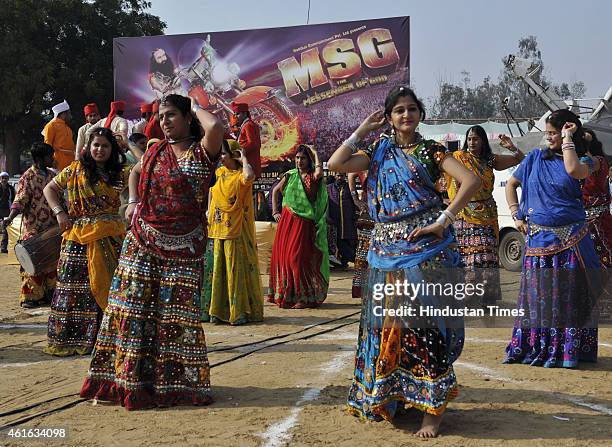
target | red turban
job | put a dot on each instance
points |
(146, 108)
(239, 107)
(116, 106)
(90, 108)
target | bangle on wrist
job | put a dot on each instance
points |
(57, 210)
(443, 220)
(450, 215)
(352, 141)
(132, 200)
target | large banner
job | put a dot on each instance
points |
(309, 84)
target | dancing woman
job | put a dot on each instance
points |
(92, 237)
(476, 226)
(299, 265)
(364, 232)
(236, 296)
(151, 349)
(558, 285)
(396, 365)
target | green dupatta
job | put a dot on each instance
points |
(294, 197)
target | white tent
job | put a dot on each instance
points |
(456, 132)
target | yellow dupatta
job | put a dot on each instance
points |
(94, 211)
(481, 209)
(230, 204)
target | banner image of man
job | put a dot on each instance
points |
(162, 75)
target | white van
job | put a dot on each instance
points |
(511, 241)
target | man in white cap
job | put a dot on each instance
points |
(7, 195)
(58, 135)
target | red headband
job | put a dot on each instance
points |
(116, 106)
(90, 108)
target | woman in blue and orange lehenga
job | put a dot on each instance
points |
(561, 270)
(151, 349)
(395, 364)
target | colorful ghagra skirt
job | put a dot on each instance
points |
(398, 366)
(600, 225)
(296, 281)
(236, 296)
(557, 297)
(478, 246)
(360, 275)
(75, 315)
(151, 349)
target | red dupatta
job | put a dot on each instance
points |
(170, 217)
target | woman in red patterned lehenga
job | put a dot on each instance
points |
(151, 349)
(596, 200)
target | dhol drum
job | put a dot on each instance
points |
(40, 253)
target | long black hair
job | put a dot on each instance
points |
(184, 105)
(396, 93)
(112, 167)
(595, 147)
(485, 153)
(557, 119)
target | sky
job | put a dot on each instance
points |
(447, 37)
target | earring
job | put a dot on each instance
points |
(392, 131)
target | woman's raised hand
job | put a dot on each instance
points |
(506, 142)
(569, 128)
(373, 122)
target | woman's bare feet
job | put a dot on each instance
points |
(430, 426)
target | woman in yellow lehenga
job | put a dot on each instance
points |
(476, 226)
(236, 295)
(92, 238)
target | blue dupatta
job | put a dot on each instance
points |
(400, 189)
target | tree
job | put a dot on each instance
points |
(461, 102)
(62, 50)
(485, 100)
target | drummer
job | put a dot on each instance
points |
(92, 238)
(36, 290)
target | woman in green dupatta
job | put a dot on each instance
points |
(299, 266)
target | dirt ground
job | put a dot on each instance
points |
(291, 390)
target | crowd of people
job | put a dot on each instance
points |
(158, 235)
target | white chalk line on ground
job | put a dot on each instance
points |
(6, 326)
(23, 364)
(279, 434)
(491, 373)
(487, 372)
